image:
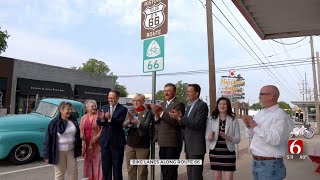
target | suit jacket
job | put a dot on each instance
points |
(232, 130)
(168, 130)
(112, 132)
(194, 128)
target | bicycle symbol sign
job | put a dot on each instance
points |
(153, 54)
(153, 49)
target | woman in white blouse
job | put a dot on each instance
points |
(222, 134)
(63, 143)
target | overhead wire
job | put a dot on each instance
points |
(254, 42)
(289, 57)
(289, 43)
(272, 75)
(248, 67)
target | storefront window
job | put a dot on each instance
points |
(25, 103)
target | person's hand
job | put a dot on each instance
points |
(174, 114)
(134, 121)
(252, 123)
(225, 136)
(130, 116)
(107, 115)
(212, 136)
(157, 109)
(246, 119)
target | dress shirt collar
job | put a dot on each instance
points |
(272, 108)
(169, 102)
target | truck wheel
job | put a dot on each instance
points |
(22, 154)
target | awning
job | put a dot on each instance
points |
(44, 88)
(273, 19)
(91, 92)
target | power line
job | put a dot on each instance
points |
(204, 6)
(279, 59)
(267, 69)
(289, 43)
(248, 67)
(252, 40)
(285, 49)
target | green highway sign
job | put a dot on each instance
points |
(153, 54)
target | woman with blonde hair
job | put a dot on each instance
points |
(90, 134)
(138, 140)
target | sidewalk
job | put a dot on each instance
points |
(296, 168)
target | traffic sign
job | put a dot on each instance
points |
(154, 18)
(153, 54)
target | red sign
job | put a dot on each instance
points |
(295, 146)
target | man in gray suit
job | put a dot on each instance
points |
(193, 124)
(168, 131)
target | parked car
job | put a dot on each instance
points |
(22, 136)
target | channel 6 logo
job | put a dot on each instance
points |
(295, 146)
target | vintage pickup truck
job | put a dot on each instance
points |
(22, 136)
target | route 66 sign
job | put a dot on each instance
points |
(154, 18)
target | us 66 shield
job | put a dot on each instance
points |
(153, 54)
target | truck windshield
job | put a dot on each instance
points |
(46, 109)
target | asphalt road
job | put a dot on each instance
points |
(39, 170)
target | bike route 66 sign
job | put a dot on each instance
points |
(154, 18)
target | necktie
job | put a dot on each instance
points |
(167, 104)
(111, 110)
(189, 110)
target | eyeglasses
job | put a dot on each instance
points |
(135, 100)
(261, 94)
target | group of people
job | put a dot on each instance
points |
(101, 140)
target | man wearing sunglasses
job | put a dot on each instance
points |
(269, 131)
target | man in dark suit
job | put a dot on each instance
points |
(168, 131)
(193, 124)
(112, 138)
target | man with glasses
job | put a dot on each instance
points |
(269, 131)
(112, 138)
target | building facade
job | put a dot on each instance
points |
(23, 83)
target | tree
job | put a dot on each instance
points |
(99, 67)
(181, 92)
(256, 106)
(95, 66)
(3, 40)
(160, 95)
(284, 105)
(122, 89)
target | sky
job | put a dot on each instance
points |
(67, 33)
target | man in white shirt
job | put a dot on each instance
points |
(269, 131)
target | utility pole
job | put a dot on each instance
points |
(302, 91)
(318, 63)
(305, 80)
(316, 97)
(212, 72)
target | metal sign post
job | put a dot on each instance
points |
(154, 23)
